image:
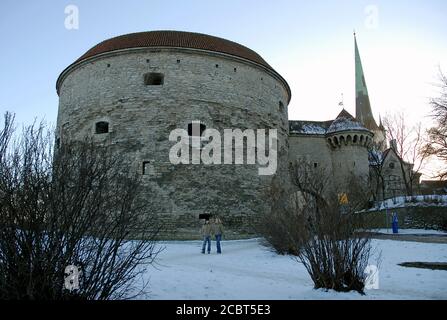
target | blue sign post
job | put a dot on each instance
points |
(395, 223)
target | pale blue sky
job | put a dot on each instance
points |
(310, 43)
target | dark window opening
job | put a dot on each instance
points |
(235, 69)
(217, 66)
(148, 60)
(178, 60)
(154, 79)
(108, 65)
(315, 164)
(195, 126)
(101, 127)
(281, 106)
(58, 143)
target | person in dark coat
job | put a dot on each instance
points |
(206, 234)
(217, 230)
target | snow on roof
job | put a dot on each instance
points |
(344, 121)
(309, 127)
(345, 124)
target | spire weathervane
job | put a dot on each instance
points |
(341, 103)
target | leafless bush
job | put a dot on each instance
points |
(322, 229)
(77, 206)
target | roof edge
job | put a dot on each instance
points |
(78, 63)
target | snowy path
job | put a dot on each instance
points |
(247, 270)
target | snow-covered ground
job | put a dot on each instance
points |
(247, 270)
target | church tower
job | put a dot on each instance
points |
(363, 112)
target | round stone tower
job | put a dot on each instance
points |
(349, 141)
(131, 92)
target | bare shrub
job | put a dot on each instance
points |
(323, 229)
(78, 206)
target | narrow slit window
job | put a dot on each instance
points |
(281, 107)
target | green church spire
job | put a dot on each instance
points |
(363, 111)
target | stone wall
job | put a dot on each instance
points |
(339, 163)
(422, 217)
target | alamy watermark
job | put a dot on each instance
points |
(372, 17)
(206, 147)
(71, 21)
(372, 277)
(71, 280)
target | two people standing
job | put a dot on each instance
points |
(215, 227)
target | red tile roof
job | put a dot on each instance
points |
(175, 39)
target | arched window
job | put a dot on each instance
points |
(355, 139)
(101, 127)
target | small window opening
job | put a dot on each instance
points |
(315, 164)
(148, 168)
(281, 106)
(178, 60)
(392, 165)
(154, 79)
(148, 60)
(58, 142)
(217, 66)
(193, 126)
(108, 65)
(235, 69)
(101, 127)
